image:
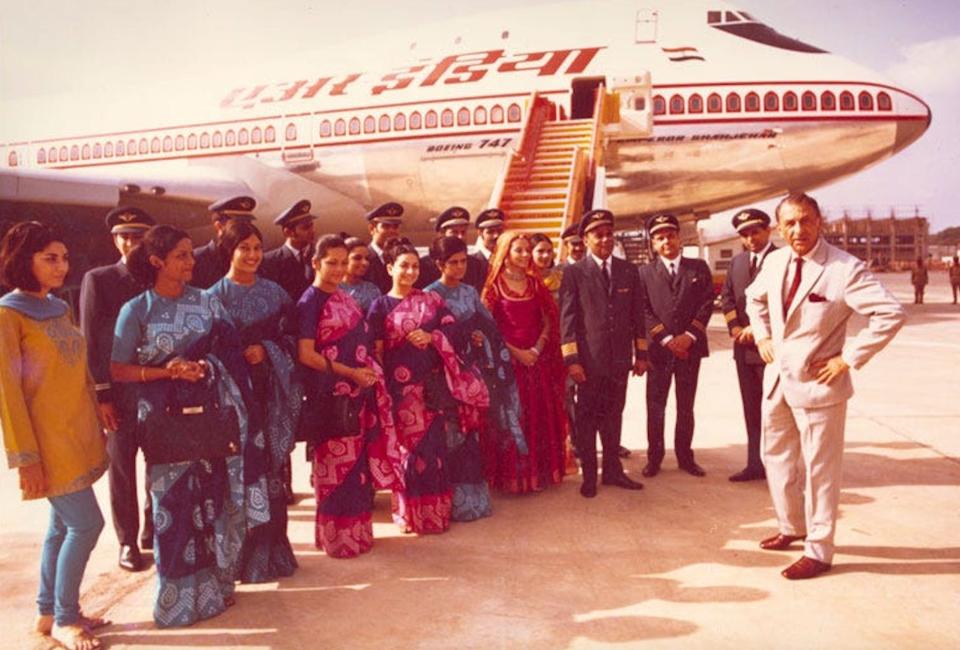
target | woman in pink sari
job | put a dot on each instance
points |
(527, 317)
(434, 397)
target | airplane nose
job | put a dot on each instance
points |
(916, 118)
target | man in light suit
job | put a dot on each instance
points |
(799, 306)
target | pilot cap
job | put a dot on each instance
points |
(126, 219)
(571, 234)
(235, 207)
(299, 211)
(749, 218)
(386, 213)
(595, 219)
(491, 218)
(659, 222)
(452, 217)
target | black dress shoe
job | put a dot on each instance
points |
(623, 481)
(130, 559)
(651, 469)
(623, 452)
(749, 474)
(692, 469)
(588, 490)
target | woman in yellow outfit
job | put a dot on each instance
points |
(48, 415)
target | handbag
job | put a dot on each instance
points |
(436, 393)
(188, 423)
(330, 416)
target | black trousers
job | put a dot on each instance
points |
(750, 376)
(122, 446)
(599, 409)
(659, 377)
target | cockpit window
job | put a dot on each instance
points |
(746, 26)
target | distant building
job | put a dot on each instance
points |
(892, 242)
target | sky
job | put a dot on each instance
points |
(50, 49)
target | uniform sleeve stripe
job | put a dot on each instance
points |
(568, 349)
(731, 315)
(656, 329)
(700, 326)
(641, 344)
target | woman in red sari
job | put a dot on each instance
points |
(433, 395)
(526, 315)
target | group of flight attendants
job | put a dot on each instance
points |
(437, 378)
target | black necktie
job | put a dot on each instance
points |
(753, 265)
(793, 286)
(606, 276)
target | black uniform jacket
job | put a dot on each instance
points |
(675, 307)
(734, 301)
(208, 267)
(602, 331)
(377, 273)
(282, 266)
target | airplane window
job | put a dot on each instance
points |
(695, 104)
(496, 115)
(733, 103)
(513, 113)
(480, 115)
(384, 123)
(121, 151)
(155, 145)
(463, 117)
(41, 157)
(168, 144)
(771, 102)
(180, 143)
(291, 132)
(204, 140)
(85, 152)
(808, 101)
(243, 137)
(400, 122)
(270, 134)
(883, 102)
(866, 101)
(714, 103)
(192, 141)
(74, 152)
(431, 120)
(828, 101)
(846, 101)
(231, 138)
(340, 127)
(256, 136)
(659, 105)
(446, 117)
(731, 17)
(97, 150)
(369, 124)
(63, 154)
(714, 17)
(354, 125)
(325, 129)
(752, 102)
(416, 120)
(12, 159)
(108, 150)
(676, 104)
(790, 101)
(52, 155)
(144, 146)
(217, 139)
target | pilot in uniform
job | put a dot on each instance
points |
(291, 265)
(753, 226)
(490, 224)
(103, 292)
(573, 248)
(602, 339)
(452, 222)
(384, 223)
(209, 265)
(679, 293)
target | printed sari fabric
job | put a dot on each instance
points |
(433, 395)
(259, 312)
(198, 506)
(520, 319)
(348, 468)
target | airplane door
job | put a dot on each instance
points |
(584, 96)
(645, 30)
(297, 137)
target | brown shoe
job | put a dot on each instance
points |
(804, 569)
(780, 542)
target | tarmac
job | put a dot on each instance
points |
(673, 566)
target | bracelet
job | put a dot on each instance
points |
(535, 351)
(143, 374)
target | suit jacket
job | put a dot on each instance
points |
(734, 302)
(482, 265)
(377, 273)
(679, 306)
(103, 291)
(209, 267)
(602, 331)
(834, 285)
(282, 266)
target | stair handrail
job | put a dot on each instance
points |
(533, 125)
(496, 197)
(576, 183)
(596, 137)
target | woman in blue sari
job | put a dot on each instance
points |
(362, 291)
(198, 506)
(479, 345)
(259, 309)
(432, 393)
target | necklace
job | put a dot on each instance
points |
(513, 275)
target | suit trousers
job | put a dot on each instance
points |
(659, 377)
(803, 453)
(122, 446)
(599, 409)
(750, 376)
